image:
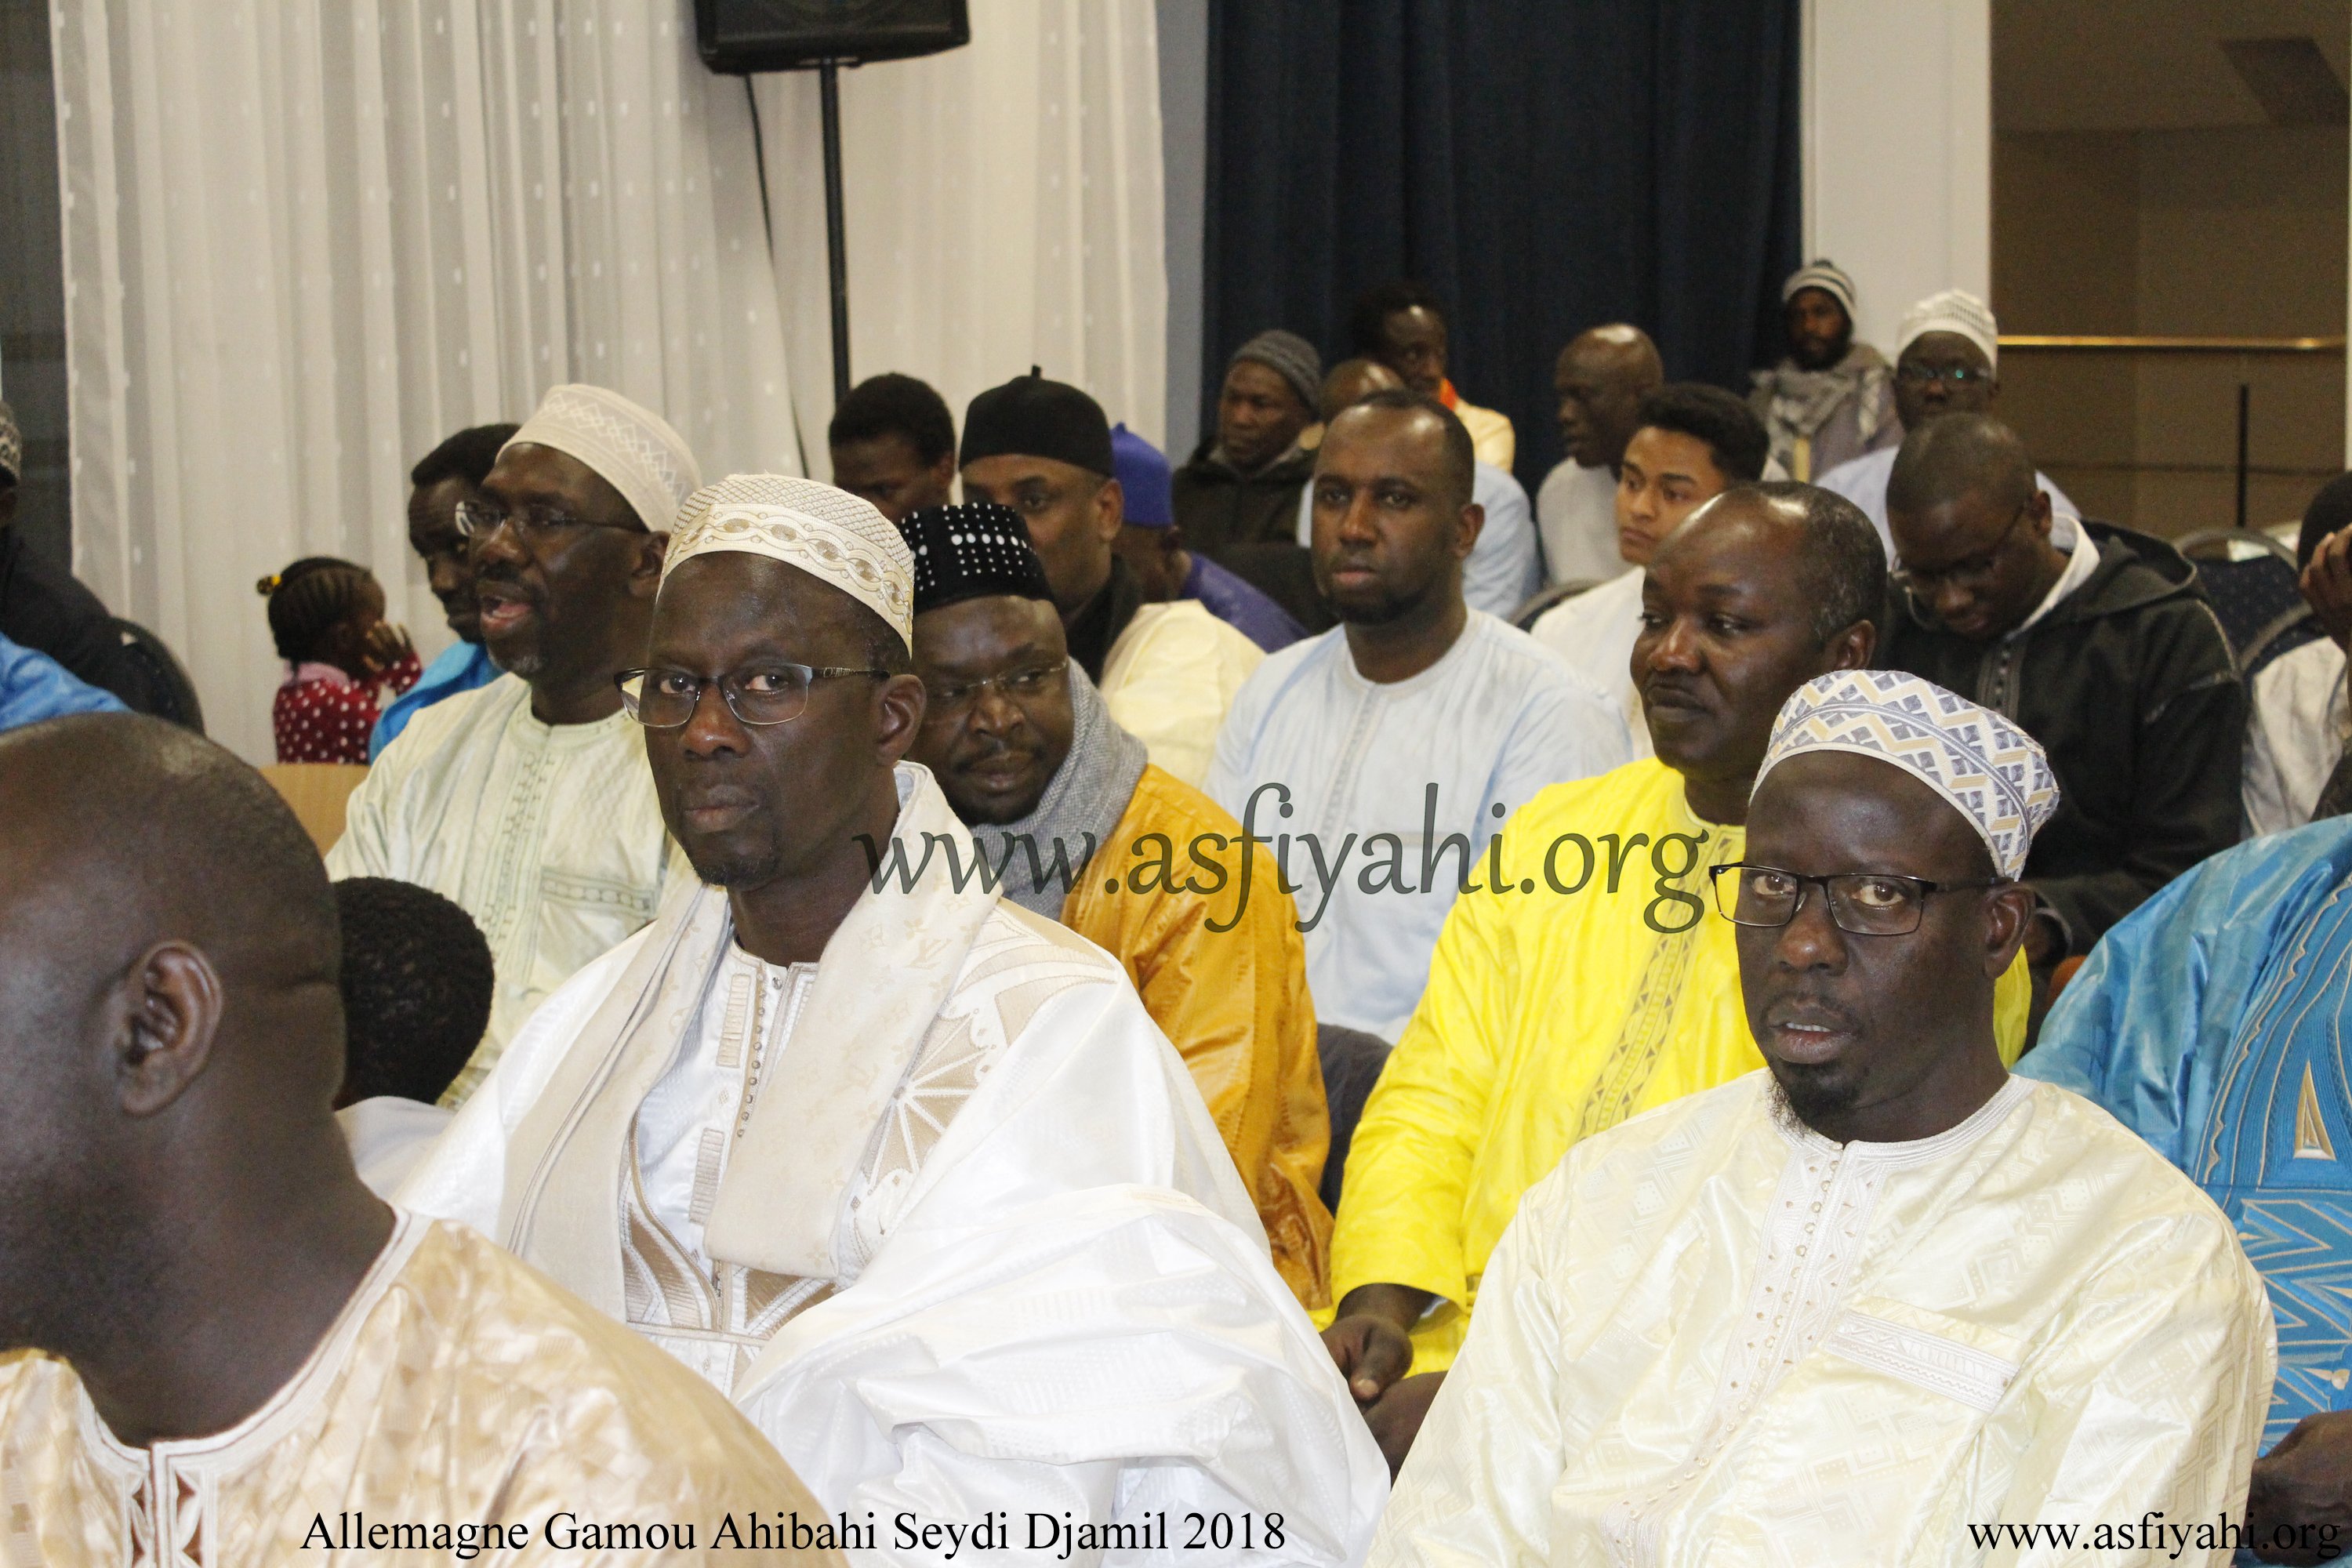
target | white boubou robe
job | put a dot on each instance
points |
(1714, 1336)
(942, 1213)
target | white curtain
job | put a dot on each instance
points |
(1004, 209)
(305, 239)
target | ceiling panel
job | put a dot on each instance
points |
(2144, 65)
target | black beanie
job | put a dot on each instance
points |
(1038, 419)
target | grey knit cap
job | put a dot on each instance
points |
(1289, 356)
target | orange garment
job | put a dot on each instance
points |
(1233, 1003)
(1491, 436)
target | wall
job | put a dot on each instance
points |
(1003, 210)
(1897, 107)
(1184, 174)
(2229, 229)
(2066, 260)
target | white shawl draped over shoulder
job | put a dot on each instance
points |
(1066, 1304)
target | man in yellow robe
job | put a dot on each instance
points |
(1597, 981)
(1127, 855)
(1884, 1303)
(217, 1350)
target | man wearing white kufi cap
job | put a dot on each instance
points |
(1946, 361)
(527, 801)
(905, 1169)
(1880, 1302)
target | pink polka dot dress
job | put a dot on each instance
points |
(322, 715)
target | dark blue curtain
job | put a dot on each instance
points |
(1544, 165)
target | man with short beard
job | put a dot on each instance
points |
(903, 1168)
(1830, 399)
(1400, 738)
(443, 480)
(1130, 857)
(525, 802)
(1237, 487)
(1883, 1302)
(1506, 566)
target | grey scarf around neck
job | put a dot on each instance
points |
(1048, 848)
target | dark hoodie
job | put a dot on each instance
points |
(2128, 684)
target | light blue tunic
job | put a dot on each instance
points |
(2213, 1022)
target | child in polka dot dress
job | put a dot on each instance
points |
(327, 618)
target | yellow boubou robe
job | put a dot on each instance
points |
(1233, 1002)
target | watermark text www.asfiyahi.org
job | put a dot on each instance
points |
(1208, 864)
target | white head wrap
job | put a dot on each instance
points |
(1953, 311)
(1993, 772)
(828, 533)
(632, 447)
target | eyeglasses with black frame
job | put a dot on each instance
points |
(1919, 374)
(760, 695)
(480, 519)
(1975, 572)
(1861, 904)
(951, 699)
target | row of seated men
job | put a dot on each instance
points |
(1005, 1253)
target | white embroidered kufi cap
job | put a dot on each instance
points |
(827, 532)
(1953, 311)
(631, 447)
(1993, 772)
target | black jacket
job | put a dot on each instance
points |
(1217, 506)
(45, 608)
(2129, 686)
(1249, 525)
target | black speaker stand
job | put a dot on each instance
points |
(836, 241)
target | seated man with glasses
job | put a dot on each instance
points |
(525, 802)
(1882, 1302)
(2103, 649)
(1946, 361)
(903, 1168)
(1589, 978)
(1077, 826)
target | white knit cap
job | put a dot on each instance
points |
(1991, 771)
(1825, 275)
(631, 447)
(1953, 311)
(827, 532)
